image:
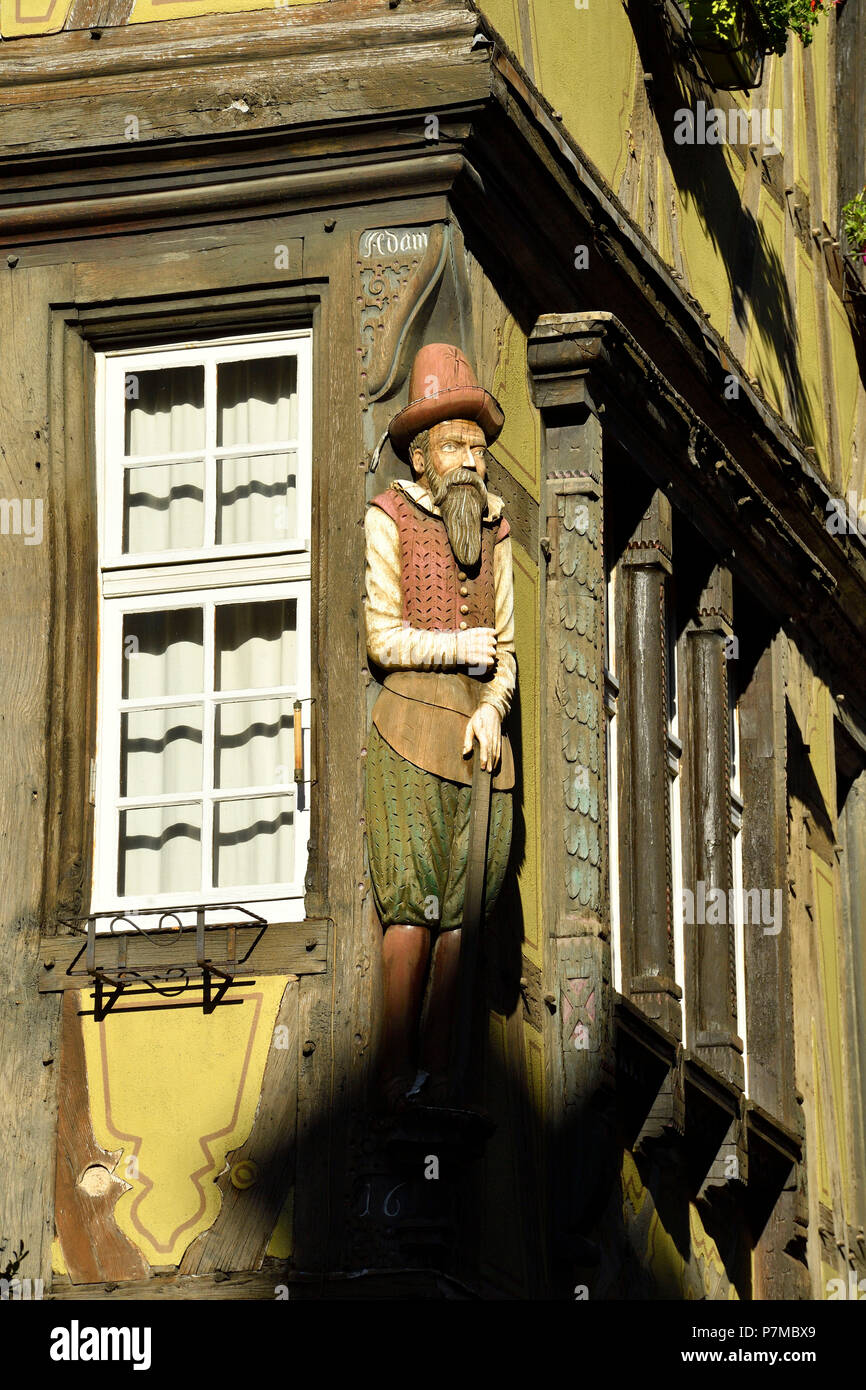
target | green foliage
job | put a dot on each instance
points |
(776, 16)
(803, 15)
(720, 18)
(854, 222)
(714, 19)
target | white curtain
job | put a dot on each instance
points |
(163, 752)
(163, 748)
(164, 503)
(257, 405)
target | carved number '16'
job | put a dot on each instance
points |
(390, 1206)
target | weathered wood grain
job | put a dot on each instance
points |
(240, 197)
(94, 1248)
(337, 26)
(68, 446)
(642, 621)
(29, 1022)
(283, 948)
(98, 14)
(238, 1238)
(710, 950)
(277, 1281)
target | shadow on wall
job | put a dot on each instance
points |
(754, 270)
(545, 1213)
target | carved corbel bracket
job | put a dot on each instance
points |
(399, 269)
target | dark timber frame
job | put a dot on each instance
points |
(99, 236)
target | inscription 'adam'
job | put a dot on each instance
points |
(387, 242)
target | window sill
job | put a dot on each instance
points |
(280, 948)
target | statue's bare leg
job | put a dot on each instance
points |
(439, 1022)
(405, 953)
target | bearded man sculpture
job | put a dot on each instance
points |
(440, 621)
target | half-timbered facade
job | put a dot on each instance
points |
(226, 231)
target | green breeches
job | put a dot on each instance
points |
(418, 841)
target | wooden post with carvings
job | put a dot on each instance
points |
(710, 948)
(574, 827)
(645, 902)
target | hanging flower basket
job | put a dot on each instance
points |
(854, 229)
(854, 225)
(729, 41)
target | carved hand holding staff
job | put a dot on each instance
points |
(440, 622)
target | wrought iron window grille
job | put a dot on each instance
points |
(106, 952)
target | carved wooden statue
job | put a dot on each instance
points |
(440, 622)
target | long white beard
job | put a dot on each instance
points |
(462, 499)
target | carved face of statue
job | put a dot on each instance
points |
(450, 457)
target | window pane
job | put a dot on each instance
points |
(160, 751)
(254, 744)
(162, 653)
(257, 402)
(257, 498)
(164, 411)
(253, 841)
(256, 644)
(163, 507)
(160, 850)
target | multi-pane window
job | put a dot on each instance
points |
(205, 526)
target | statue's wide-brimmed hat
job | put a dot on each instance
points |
(443, 386)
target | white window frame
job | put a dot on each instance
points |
(205, 578)
(112, 370)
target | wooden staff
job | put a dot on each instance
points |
(473, 910)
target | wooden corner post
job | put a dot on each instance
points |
(578, 1046)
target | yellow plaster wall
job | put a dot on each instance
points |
(811, 422)
(762, 360)
(518, 449)
(708, 254)
(147, 10)
(505, 18)
(833, 992)
(176, 1089)
(23, 18)
(519, 445)
(702, 1275)
(849, 390)
(586, 63)
(819, 1167)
